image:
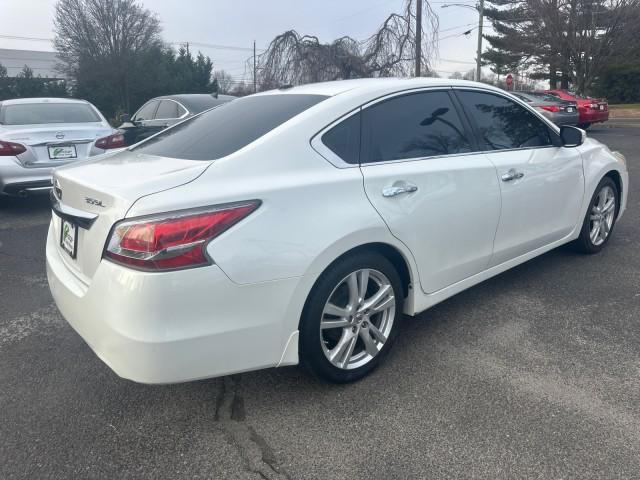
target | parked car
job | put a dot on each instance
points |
(560, 112)
(301, 223)
(37, 134)
(590, 110)
(162, 112)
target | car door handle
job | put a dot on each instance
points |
(512, 174)
(399, 188)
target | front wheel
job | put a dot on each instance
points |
(600, 218)
(584, 126)
(351, 317)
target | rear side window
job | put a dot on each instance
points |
(39, 113)
(167, 109)
(344, 139)
(503, 124)
(227, 128)
(412, 126)
(148, 111)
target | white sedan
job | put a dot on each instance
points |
(300, 224)
(39, 134)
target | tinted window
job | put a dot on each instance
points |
(147, 111)
(37, 113)
(227, 128)
(181, 111)
(412, 126)
(503, 123)
(344, 139)
(167, 109)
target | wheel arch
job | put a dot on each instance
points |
(398, 259)
(617, 179)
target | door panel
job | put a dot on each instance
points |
(542, 206)
(436, 195)
(541, 183)
(449, 222)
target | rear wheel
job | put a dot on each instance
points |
(351, 318)
(600, 218)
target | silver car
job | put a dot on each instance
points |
(38, 134)
(560, 112)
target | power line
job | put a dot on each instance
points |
(216, 46)
(456, 61)
(32, 39)
(198, 44)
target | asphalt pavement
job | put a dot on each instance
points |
(532, 374)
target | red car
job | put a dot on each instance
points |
(590, 110)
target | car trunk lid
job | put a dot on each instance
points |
(53, 144)
(100, 192)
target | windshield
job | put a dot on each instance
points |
(39, 113)
(228, 127)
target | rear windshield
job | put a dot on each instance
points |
(38, 113)
(544, 96)
(227, 128)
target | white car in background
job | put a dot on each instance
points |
(38, 134)
(300, 224)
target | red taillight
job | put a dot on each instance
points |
(9, 149)
(175, 240)
(550, 108)
(112, 141)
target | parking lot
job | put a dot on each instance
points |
(532, 374)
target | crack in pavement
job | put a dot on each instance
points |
(230, 414)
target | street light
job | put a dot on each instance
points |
(480, 9)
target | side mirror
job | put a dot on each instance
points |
(572, 136)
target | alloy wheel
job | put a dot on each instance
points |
(602, 215)
(357, 319)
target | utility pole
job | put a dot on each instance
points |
(255, 79)
(479, 58)
(418, 37)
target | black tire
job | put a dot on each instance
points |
(584, 126)
(311, 350)
(584, 244)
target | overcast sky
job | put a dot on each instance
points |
(237, 23)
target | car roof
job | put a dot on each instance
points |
(363, 85)
(18, 101)
(197, 102)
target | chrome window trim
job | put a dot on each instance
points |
(421, 159)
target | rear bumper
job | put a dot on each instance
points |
(174, 326)
(17, 180)
(593, 116)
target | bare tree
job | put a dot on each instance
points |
(104, 34)
(225, 81)
(292, 58)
